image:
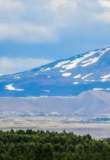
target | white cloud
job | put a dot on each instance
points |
(35, 21)
(45, 20)
(55, 5)
(105, 3)
(104, 17)
(23, 32)
(8, 65)
(104, 14)
(10, 5)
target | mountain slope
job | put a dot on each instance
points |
(90, 103)
(72, 76)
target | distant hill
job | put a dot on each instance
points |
(89, 103)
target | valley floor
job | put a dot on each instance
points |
(69, 124)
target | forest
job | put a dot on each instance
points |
(44, 145)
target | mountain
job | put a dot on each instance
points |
(89, 103)
(68, 77)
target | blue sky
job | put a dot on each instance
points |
(37, 32)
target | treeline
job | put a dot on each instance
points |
(40, 145)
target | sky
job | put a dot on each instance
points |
(36, 32)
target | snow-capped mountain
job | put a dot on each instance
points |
(72, 76)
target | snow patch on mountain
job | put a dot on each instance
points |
(94, 59)
(62, 71)
(77, 76)
(46, 90)
(107, 48)
(92, 80)
(105, 77)
(66, 74)
(101, 89)
(97, 89)
(91, 61)
(75, 62)
(16, 76)
(46, 69)
(12, 88)
(61, 63)
(84, 77)
(76, 83)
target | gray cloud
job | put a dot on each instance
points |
(45, 20)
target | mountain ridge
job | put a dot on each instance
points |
(89, 103)
(68, 77)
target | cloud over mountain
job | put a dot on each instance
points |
(12, 65)
(42, 21)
